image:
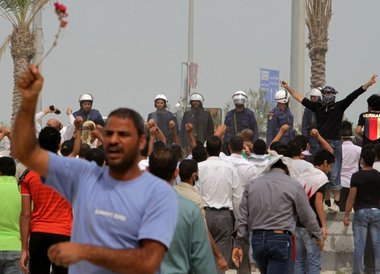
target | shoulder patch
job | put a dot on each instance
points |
(270, 115)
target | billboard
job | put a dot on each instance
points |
(270, 82)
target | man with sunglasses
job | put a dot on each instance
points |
(329, 116)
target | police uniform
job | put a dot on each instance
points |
(276, 119)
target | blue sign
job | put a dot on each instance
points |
(269, 81)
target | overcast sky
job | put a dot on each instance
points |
(124, 52)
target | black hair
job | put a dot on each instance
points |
(7, 166)
(178, 151)
(199, 153)
(281, 149)
(186, 169)
(295, 148)
(163, 163)
(323, 155)
(260, 147)
(346, 129)
(127, 113)
(213, 145)
(49, 138)
(144, 151)
(158, 144)
(368, 156)
(303, 140)
(97, 155)
(67, 147)
(372, 99)
(84, 148)
(236, 144)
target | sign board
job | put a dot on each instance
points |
(270, 82)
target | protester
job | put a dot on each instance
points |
(329, 115)
(309, 120)
(220, 187)
(313, 180)
(190, 250)
(279, 199)
(364, 198)
(67, 132)
(10, 207)
(124, 218)
(45, 218)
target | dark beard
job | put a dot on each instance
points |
(127, 162)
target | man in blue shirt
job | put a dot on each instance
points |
(124, 218)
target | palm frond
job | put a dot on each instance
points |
(37, 6)
(4, 46)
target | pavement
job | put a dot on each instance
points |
(258, 272)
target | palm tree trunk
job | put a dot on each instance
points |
(22, 50)
(317, 54)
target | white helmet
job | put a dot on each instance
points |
(197, 97)
(162, 97)
(316, 92)
(239, 97)
(85, 97)
(281, 96)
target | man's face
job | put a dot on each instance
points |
(314, 98)
(53, 123)
(86, 106)
(121, 143)
(160, 104)
(282, 106)
(195, 104)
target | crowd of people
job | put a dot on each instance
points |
(166, 196)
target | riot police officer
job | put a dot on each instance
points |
(279, 116)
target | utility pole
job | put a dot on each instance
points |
(297, 56)
(190, 46)
(39, 46)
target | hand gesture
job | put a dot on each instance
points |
(314, 132)
(189, 127)
(221, 130)
(372, 80)
(153, 130)
(285, 85)
(30, 82)
(237, 256)
(65, 253)
(69, 111)
(78, 122)
(171, 125)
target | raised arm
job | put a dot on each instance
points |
(315, 133)
(370, 82)
(174, 131)
(297, 96)
(78, 134)
(24, 145)
(283, 129)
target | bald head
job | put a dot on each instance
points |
(54, 123)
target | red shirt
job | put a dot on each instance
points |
(51, 212)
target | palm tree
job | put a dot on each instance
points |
(20, 13)
(318, 15)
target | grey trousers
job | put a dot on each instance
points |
(220, 225)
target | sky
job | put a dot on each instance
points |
(125, 52)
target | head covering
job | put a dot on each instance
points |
(328, 95)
